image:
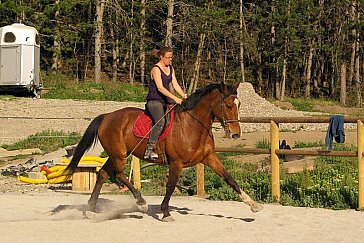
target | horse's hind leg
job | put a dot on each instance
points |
(119, 169)
(102, 176)
(215, 164)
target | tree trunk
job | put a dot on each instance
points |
(142, 44)
(284, 77)
(343, 84)
(273, 74)
(100, 4)
(285, 54)
(225, 61)
(169, 23)
(353, 47)
(308, 74)
(131, 47)
(194, 79)
(115, 52)
(169, 30)
(260, 75)
(359, 102)
(357, 76)
(210, 74)
(242, 31)
(57, 64)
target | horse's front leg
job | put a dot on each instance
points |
(102, 176)
(174, 173)
(215, 163)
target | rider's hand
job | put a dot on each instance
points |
(178, 100)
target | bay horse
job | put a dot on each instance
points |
(189, 142)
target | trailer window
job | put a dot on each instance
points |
(37, 39)
(9, 37)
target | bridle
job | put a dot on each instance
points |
(223, 121)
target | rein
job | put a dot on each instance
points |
(223, 121)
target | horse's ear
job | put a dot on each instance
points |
(223, 87)
(236, 86)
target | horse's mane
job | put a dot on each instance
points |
(193, 100)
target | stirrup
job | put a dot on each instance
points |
(150, 154)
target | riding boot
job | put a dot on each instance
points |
(149, 152)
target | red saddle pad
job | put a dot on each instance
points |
(143, 124)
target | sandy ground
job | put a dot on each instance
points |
(26, 218)
(25, 214)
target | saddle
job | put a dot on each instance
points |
(143, 124)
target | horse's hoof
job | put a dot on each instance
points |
(142, 208)
(256, 207)
(90, 214)
(168, 219)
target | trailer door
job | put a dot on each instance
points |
(10, 65)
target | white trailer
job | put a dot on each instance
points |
(20, 59)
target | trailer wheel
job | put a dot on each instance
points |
(36, 92)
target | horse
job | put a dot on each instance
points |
(189, 142)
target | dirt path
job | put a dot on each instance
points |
(24, 216)
(197, 220)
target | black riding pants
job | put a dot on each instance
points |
(156, 110)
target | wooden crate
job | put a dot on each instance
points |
(84, 178)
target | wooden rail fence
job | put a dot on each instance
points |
(274, 151)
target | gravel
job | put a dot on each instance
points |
(252, 105)
(22, 117)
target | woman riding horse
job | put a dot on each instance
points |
(162, 74)
(190, 142)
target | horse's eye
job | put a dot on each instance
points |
(229, 106)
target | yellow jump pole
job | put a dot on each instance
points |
(200, 180)
(274, 139)
(136, 172)
(360, 164)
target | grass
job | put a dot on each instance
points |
(302, 104)
(59, 87)
(263, 144)
(299, 144)
(47, 141)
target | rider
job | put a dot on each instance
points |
(162, 74)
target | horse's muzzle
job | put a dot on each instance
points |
(235, 136)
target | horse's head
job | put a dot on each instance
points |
(227, 110)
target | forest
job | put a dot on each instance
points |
(289, 48)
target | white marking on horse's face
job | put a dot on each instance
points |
(237, 102)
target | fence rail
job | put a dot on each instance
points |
(274, 151)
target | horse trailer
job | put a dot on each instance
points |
(20, 59)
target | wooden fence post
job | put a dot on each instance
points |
(136, 172)
(360, 134)
(274, 138)
(200, 180)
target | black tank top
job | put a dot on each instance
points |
(153, 93)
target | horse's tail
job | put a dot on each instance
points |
(88, 139)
